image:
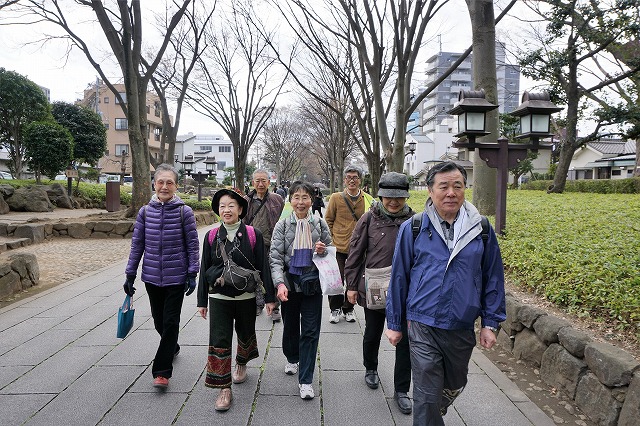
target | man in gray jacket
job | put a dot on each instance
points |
(263, 213)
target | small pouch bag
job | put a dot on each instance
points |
(309, 282)
(376, 282)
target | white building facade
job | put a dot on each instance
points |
(201, 146)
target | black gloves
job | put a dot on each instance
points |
(128, 287)
(190, 285)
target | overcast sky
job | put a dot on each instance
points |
(66, 79)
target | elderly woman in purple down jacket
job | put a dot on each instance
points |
(165, 232)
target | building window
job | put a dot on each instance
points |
(206, 148)
(615, 172)
(124, 97)
(106, 99)
(221, 165)
(106, 126)
(148, 109)
(224, 149)
(157, 108)
(122, 124)
(156, 133)
(120, 149)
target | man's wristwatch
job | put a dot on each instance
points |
(495, 330)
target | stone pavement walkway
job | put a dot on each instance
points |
(61, 364)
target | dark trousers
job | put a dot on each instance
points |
(222, 316)
(340, 301)
(440, 363)
(302, 317)
(166, 304)
(374, 326)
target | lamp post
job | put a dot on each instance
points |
(187, 165)
(210, 164)
(535, 112)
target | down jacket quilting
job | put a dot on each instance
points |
(170, 253)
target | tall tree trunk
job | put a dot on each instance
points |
(484, 77)
(571, 142)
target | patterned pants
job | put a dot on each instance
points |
(222, 315)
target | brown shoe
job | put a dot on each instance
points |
(224, 399)
(240, 375)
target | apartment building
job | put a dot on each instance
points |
(101, 99)
(442, 99)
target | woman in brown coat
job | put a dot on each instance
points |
(372, 245)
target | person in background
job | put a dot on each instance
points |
(318, 202)
(281, 192)
(372, 244)
(229, 306)
(442, 280)
(263, 212)
(296, 278)
(342, 213)
(165, 233)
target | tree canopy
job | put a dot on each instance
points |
(21, 102)
(48, 148)
(89, 134)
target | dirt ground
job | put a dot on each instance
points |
(63, 259)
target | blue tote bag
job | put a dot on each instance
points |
(125, 318)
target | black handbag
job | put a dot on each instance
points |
(241, 278)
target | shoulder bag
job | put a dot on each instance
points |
(241, 278)
(376, 283)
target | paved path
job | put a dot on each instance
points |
(61, 364)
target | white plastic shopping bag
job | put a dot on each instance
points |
(330, 279)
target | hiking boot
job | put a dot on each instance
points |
(334, 317)
(240, 375)
(223, 403)
(160, 382)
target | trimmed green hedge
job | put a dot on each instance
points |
(579, 250)
(599, 186)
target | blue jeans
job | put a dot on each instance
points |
(302, 316)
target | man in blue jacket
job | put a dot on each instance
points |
(441, 282)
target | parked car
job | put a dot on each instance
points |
(6, 175)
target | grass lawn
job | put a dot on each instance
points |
(579, 250)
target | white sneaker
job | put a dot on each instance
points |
(291, 368)
(306, 391)
(334, 317)
(350, 316)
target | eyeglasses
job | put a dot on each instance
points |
(352, 178)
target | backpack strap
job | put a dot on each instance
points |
(251, 233)
(484, 221)
(212, 235)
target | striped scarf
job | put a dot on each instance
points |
(302, 250)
